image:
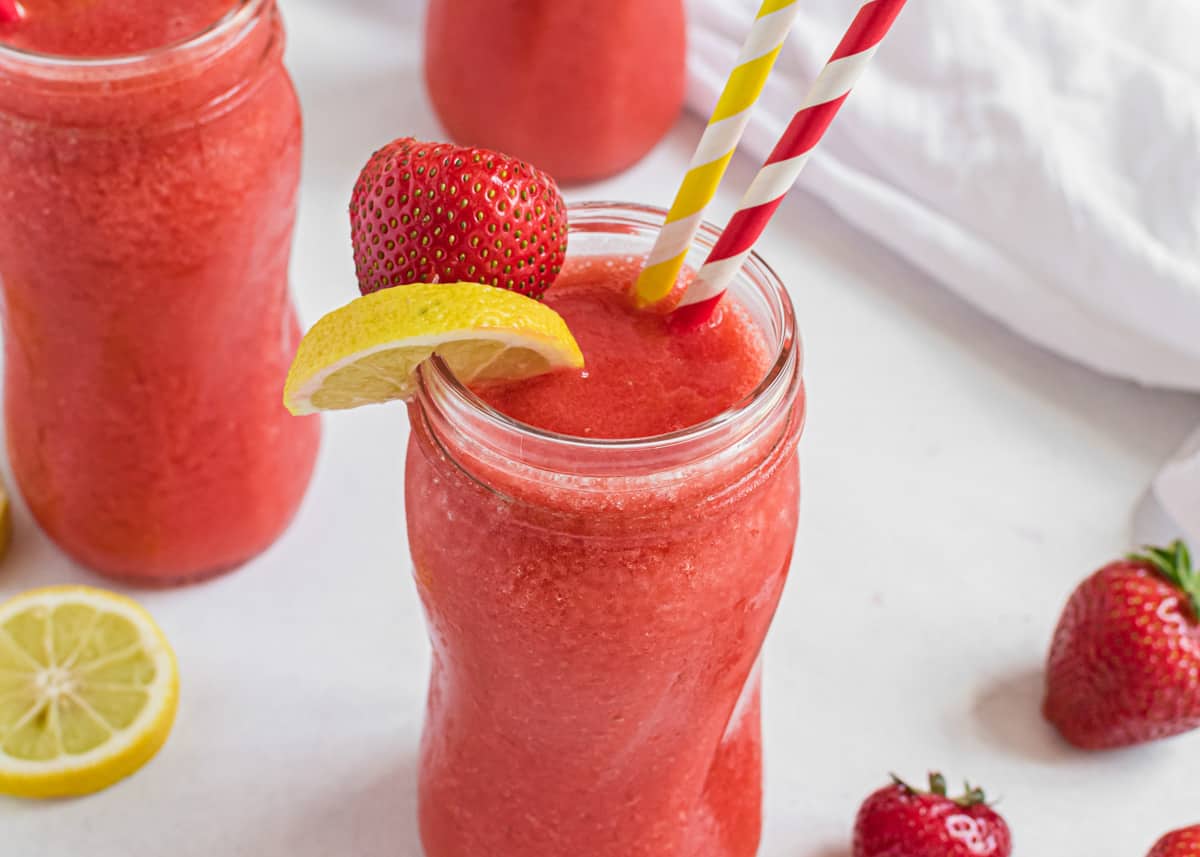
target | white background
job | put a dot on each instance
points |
(958, 483)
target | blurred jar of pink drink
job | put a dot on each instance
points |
(582, 89)
(150, 155)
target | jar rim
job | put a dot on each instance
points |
(238, 17)
(437, 385)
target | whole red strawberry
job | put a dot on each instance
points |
(899, 821)
(1179, 843)
(436, 212)
(1124, 666)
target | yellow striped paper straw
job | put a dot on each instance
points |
(721, 136)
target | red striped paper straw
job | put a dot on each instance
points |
(721, 136)
(786, 161)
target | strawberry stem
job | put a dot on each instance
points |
(972, 796)
(1174, 563)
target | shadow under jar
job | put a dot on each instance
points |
(597, 607)
(146, 213)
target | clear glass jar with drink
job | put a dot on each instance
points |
(597, 602)
(151, 158)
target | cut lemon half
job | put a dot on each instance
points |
(368, 351)
(88, 691)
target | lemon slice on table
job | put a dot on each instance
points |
(368, 351)
(88, 691)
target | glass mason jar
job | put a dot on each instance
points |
(613, 81)
(597, 607)
(146, 213)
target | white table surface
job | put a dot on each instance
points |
(958, 483)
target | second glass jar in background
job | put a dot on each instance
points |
(145, 230)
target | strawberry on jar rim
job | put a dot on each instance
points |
(1124, 666)
(437, 212)
(901, 821)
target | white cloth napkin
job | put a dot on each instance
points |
(1038, 157)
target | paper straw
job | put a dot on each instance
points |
(788, 158)
(721, 136)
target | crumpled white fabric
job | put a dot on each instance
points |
(1039, 157)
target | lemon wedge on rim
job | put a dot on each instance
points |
(88, 691)
(368, 351)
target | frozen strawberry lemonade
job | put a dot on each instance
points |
(593, 636)
(100, 28)
(145, 223)
(613, 82)
(601, 509)
(640, 380)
